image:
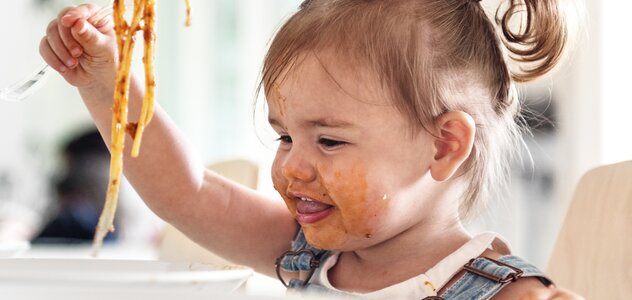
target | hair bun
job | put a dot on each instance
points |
(538, 43)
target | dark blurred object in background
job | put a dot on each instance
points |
(79, 191)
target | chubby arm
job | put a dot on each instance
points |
(532, 289)
(551, 293)
(227, 218)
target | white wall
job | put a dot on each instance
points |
(616, 46)
(32, 129)
(594, 98)
(594, 95)
(208, 74)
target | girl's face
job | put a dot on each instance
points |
(348, 167)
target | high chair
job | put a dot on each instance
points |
(593, 252)
(176, 247)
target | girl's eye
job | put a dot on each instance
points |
(329, 143)
(285, 139)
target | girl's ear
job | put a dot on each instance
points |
(453, 143)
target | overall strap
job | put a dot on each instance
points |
(485, 277)
(302, 258)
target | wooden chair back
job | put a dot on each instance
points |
(593, 252)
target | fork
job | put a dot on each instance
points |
(20, 90)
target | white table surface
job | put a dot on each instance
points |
(256, 287)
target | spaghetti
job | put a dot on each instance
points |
(143, 18)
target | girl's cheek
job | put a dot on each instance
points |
(360, 207)
(280, 185)
(278, 180)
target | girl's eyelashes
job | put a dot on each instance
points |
(329, 143)
(285, 139)
(325, 142)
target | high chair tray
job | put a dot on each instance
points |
(129, 275)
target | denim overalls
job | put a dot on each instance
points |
(483, 277)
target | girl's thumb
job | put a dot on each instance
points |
(86, 34)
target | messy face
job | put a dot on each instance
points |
(347, 162)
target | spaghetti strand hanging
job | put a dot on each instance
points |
(143, 19)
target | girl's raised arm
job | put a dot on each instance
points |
(227, 218)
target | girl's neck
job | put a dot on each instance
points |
(425, 242)
(410, 253)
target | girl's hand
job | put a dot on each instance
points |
(82, 50)
(552, 293)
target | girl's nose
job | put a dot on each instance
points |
(297, 166)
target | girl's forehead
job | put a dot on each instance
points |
(323, 94)
(323, 75)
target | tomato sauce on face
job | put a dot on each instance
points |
(356, 213)
(278, 98)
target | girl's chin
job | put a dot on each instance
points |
(334, 236)
(319, 239)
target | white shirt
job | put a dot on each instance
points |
(426, 284)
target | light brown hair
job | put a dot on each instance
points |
(435, 56)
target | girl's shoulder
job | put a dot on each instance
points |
(495, 275)
(518, 289)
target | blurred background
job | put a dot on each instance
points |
(206, 80)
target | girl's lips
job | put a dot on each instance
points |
(313, 217)
(310, 211)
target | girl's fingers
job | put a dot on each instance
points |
(67, 18)
(69, 42)
(58, 47)
(88, 36)
(104, 25)
(78, 34)
(49, 56)
(83, 11)
(64, 33)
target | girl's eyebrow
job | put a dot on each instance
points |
(327, 122)
(273, 121)
(321, 122)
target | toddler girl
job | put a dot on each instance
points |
(394, 120)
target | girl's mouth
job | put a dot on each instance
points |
(309, 211)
